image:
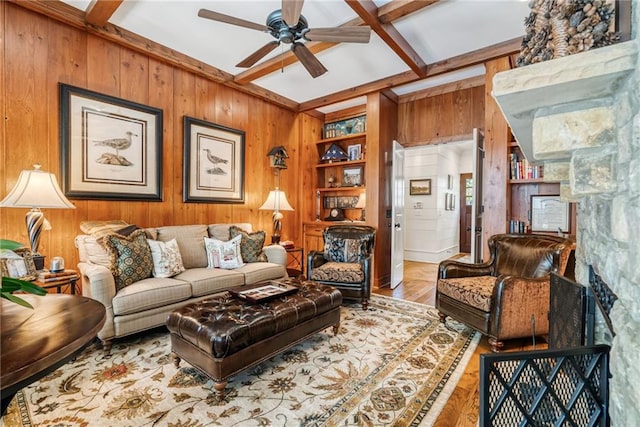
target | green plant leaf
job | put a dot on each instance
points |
(32, 289)
(10, 244)
(16, 299)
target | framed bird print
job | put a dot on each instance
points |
(111, 148)
(213, 163)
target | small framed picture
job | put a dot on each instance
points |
(354, 151)
(352, 176)
(420, 187)
(18, 267)
(449, 182)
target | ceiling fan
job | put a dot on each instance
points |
(287, 25)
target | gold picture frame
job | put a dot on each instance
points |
(21, 267)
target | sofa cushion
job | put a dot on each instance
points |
(150, 293)
(190, 240)
(250, 245)
(473, 291)
(221, 231)
(341, 272)
(130, 257)
(261, 271)
(206, 281)
(99, 229)
(167, 261)
(89, 250)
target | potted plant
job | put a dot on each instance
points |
(11, 284)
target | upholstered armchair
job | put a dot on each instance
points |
(346, 261)
(508, 296)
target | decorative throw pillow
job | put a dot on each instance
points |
(131, 258)
(221, 254)
(250, 245)
(337, 249)
(167, 261)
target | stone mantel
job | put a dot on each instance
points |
(584, 81)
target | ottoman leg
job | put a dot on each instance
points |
(219, 387)
(336, 328)
(176, 360)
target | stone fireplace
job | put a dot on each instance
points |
(579, 116)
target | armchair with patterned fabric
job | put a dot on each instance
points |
(508, 296)
(346, 261)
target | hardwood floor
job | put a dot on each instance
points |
(419, 285)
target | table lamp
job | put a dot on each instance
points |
(362, 204)
(276, 202)
(36, 189)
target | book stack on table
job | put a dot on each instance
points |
(53, 276)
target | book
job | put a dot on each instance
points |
(47, 275)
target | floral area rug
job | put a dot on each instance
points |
(392, 365)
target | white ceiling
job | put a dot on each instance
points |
(437, 32)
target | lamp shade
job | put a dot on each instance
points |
(362, 201)
(276, 201)
(36, 189)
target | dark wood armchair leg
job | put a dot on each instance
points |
(443, 317)
(496, 346)
(106, 345)
(365, 304)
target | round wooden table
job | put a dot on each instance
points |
(34, 343)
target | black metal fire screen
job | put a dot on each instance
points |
(567, 387)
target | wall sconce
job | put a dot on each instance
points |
(36, 189)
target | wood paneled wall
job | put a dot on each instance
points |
(441, 118)
(39, 52)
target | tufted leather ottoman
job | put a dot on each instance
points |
(224, 335)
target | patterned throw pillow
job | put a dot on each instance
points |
(250, 245)
(337, 249)
(221, 254)
(167, 261)
(131, 258)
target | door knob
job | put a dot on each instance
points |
(396, 225)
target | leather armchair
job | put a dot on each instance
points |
(508, 296)
(346, 261)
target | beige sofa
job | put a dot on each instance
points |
(146, 303)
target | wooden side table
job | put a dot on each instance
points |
(295, 261)
(58, 284)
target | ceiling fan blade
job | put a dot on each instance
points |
(258, 54)
(291, 10)
(340, 34)
(310, 62)
(209, 14)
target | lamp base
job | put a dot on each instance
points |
(38, 261)
(275, 239)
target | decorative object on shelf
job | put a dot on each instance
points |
(362, 204)
(557, 29)
(317, 205)
(352, 176)
(355, 151)
(213, 162)
(111, 148)
(420, 187)
(334, 154)
(36, 189)
(332, 181)
(335, 214)
(345, 127)
(277, 157)
(57, 264)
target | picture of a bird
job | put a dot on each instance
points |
(117, 144)
(215, 159)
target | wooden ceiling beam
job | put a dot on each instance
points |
(76, 18)
(397, 9)
(452, 64)
(100, 11)
(368, 12)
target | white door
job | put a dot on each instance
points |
(397, 215)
